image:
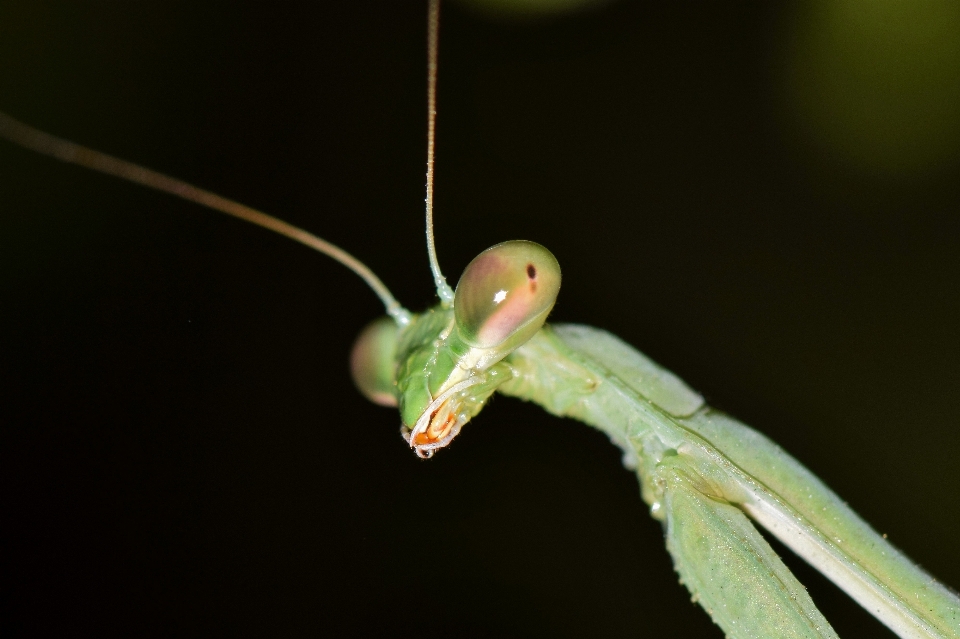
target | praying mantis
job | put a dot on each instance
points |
(244, 438)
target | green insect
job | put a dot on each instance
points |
(705, 476)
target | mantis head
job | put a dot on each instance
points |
(439, 367)
(442, 366)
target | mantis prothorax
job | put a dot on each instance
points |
(664, 458)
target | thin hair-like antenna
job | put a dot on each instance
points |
(66, 151)
(444, 292)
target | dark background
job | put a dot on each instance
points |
(181, 449)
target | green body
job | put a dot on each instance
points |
(707, 477)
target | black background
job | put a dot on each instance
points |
(182, 452)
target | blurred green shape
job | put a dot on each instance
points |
(878, 81)
(523, 9)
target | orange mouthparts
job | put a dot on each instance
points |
(441, 421)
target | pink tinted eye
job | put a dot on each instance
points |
(373, 361)
(507, 289)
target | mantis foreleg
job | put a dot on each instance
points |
(729, 567)
(705, 472)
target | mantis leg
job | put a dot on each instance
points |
(729, 567)
(703, 472)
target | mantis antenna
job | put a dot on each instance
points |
(66, 151)
(444, 292)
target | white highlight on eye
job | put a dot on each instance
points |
(500, 296)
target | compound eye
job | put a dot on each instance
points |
(373, 361)
(505, 294)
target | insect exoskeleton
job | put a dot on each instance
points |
(502, 299)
